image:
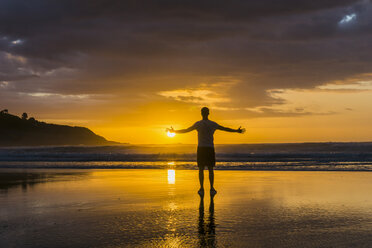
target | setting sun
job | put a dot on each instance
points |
(171, 135)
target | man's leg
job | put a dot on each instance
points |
(211, 179)
(201, 180)
(211, 176)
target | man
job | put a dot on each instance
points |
(205, 152)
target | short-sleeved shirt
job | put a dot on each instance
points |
(206, 129)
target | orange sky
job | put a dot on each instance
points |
(129, 69)
(330, 113)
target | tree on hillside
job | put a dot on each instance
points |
(24, 116)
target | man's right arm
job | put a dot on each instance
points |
(193, 127)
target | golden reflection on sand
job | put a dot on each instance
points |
(171, 176)
(147, 208)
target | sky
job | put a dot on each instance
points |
(287, 71)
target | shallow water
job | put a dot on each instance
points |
(160, 208)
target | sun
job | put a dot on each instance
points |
(171, 135)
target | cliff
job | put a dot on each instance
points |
(16, 131)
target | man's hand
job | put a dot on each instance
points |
(241, 130)
(171, 130)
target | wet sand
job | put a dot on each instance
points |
(160, 208)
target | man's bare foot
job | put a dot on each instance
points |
(213, 191)
(201, 192)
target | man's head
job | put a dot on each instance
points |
(205, 112)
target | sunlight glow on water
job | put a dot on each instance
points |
(171, 176)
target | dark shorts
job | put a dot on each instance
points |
(206, 157)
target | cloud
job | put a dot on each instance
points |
(139, 51)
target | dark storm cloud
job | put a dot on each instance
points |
(71, 26)
(123, 47)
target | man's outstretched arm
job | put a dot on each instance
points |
(181, 130)
(226, 129)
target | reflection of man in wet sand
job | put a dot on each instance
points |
(206, 228)
(205, 153)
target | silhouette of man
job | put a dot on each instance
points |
(205, 152)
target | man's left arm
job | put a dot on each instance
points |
(227, 129)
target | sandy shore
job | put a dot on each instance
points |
(160, 208)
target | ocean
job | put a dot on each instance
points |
(294, 156)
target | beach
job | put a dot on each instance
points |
(160, 208)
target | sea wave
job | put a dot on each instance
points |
(309, 166)
(321, 156)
